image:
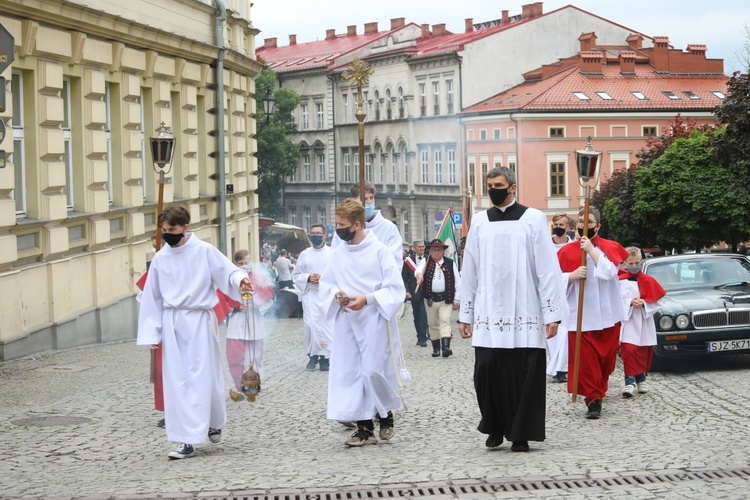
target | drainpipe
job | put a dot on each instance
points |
(219, 20)
(518, 157)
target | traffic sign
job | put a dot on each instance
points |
(329, 229)
(7, 44)
(458, 218)
(437, 226)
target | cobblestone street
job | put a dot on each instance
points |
(105, 443)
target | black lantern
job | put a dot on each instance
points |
(587, 162)
(269, 102)
(162, 147)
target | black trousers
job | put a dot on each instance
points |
(511, 391)
(420, 319)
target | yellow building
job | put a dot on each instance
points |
(88, 87)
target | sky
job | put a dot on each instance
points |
(720, 24)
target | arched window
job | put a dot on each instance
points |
(388, 115)
(401, 106)
(376, 99)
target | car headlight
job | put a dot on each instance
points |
(682, 321)
(666, 322)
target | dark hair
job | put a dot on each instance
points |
(321, 226)
(240, 254)
(369, 188)
(174, 215)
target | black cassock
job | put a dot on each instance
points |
(511, 384)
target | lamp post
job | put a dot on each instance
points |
(359, 74)
(269, 103)
(587, 161)
(162, 152)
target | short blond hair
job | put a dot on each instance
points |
(592, 211)
(634, 252)
(352, 210)
(559, 216)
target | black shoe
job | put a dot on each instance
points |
(435, 348)
(324, 364)
(162, 423)
(446, 341)
(494, 440)
(560, 377)
(311, 364)
(520, 446)
(422, 343)
(595, 410)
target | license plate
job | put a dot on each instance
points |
(728, 345)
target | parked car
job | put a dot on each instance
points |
(707, 307)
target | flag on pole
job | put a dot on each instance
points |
(447, 234)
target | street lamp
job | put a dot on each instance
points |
(587, 161)
(162, 152)
(269, 102)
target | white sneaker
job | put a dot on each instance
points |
(642, 387)
(628, 391)
(214, 435)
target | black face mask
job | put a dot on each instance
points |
(591, 232)
(558, 231)
(346, 233)
(173, 239)
(498, 196)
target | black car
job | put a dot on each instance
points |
(707, 307)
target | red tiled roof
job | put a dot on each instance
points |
(318, 54)
(555, 93)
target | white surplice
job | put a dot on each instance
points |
(362, 380)
(602, 299)
(640, 328)
(557, 346)
(177, 310)
(510, 282)
(318, 330)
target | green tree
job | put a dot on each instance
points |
(277, 155)
(733, 148)
(683, 196)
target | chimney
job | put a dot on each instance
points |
(635, 41)
(397, 22)
(591, 62)
(506, 17)
(269, 43)
(426, 31)
(697, 49)
(371, 28)
(438, 29)
(588, 41)
(627, 62)
(660, 60)
(351, 30)
(538, 8)
(330, 34)
(292, 39)
(469, 25)
(527, 11)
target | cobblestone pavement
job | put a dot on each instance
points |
(104, 441)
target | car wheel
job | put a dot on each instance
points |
(658, 364)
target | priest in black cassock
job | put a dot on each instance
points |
(512, 300)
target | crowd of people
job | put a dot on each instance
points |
(515, 295)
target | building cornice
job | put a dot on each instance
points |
(546, 115)
(106, 26)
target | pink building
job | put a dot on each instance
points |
(617, 95)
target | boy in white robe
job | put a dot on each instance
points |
(361, 287)
(641, 296)
(177, 313)
(318, 330)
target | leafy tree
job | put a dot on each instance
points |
(615, 200)
(733, 148)
(683, 195)
(277, 155)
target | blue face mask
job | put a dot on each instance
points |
(369, 209)
(317, 239)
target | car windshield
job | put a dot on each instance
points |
(699, 273)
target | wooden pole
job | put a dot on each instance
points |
(581, 287)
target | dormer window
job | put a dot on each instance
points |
(671, 95)
(605, 96)
(582, 96)
(718, 94)
(691, 95)
(640, 95)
